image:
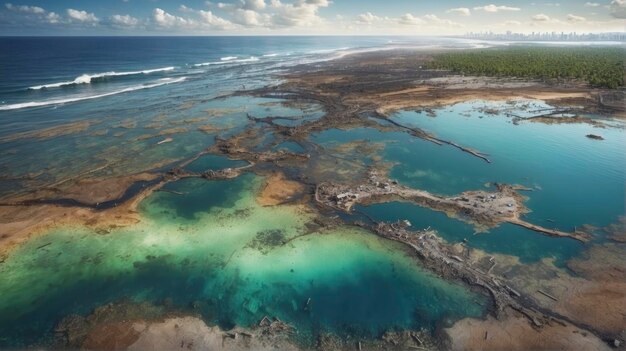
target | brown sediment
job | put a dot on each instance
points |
(90, 191)
(594, 298)
(171, 131)
(163, 132)
(278, 190)
(52, 132)
(207, 128)
(550, 119)
(219, 112)
(127, 124)
(19, 223)
(131, 326)
(617, 231)
(513, 332)
(481, 208)
(508, 294)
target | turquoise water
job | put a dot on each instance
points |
(507, 238)
(575, 180)
(214, 251)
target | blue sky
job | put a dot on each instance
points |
(284, 17)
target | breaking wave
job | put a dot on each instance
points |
(88, 78)
(230, 59)
(157, 83)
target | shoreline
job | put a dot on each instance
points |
(347, 103)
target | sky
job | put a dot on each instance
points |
(307, 17)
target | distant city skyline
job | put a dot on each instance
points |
(307, 17)
(547, 36)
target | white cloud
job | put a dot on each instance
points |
(541, 18)
(124, 21)
(592, 4)
(25, 9)
(183, 8)
(249, 18)
(409, 19)
(618, 8)
(164, 19)
(198, 20)
(426, 20)
(574, 18)
(301, 13)
(463, 11)
(215, 22)
(82, 16)
(367, 18)
(52, 18)
(494, 8)
(35, 13)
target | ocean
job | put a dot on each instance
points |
(110, 106)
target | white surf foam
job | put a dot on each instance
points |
(87, 78)
(158, 83)
(270, 55)
(228, 58)
(230, 61)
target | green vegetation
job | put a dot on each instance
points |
(601, 67)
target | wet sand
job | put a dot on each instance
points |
(514, 333)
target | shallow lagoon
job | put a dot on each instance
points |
(216, 249)
(575, 180)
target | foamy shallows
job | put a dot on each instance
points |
(215, 248)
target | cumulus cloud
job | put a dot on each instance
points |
(426, 20)
(124, 21)
(592, 4)
(463, 11)
(367, 18)
(82, 16)
(574, 18)
(541, 18)
(164, 19)
(618, 8)
(52, 18)
(301, 13)
(215, 22)
(493, 8)
(196, 21)
(25, 9)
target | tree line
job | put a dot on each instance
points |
(598, 66)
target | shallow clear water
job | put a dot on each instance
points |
(216, 249)
(575, 180)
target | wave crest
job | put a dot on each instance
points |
(88, 78)
(158, 83)
(229, 61)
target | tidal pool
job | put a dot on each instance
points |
(215, 251)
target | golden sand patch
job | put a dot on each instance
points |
(278, 190)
